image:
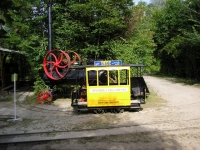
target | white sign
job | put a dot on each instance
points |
(108, 90)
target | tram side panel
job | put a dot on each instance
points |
(107, 96)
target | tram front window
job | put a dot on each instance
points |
(103, 77)
(92, 78)
(124, 77)
(113, 77)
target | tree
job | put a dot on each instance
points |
(90, 25)
(95, 29)
(138, 46)
(26, 32)
(177, 38)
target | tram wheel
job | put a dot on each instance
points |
(118, 110)
(121, 110)
(98, 111)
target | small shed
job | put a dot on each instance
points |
(11, 61)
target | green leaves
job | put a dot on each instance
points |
(95, 29)
(177, 38)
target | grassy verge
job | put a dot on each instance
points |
(153, 100)
(31, 99)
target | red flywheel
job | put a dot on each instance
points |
(74, 57)
(56, 64)
(45, 97)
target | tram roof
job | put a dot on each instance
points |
(125, 65)
(11, 51)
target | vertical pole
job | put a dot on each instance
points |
(14, 97)
(49, 26)
(50, 37)
(1, 75)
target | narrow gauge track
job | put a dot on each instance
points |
(35, 108)
(32, 107)
(45, 136)
(34, 137)
(44, 110)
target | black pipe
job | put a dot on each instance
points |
(49, 27)
(50, 40)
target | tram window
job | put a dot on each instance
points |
(124, 76)
(92, 78)
(113, 77)
(103, 78)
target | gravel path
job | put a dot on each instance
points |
(174, 124)
(182, 100)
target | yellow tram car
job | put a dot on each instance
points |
(108, 85)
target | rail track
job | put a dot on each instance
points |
(55, 135)
(32, 107)
(42, 108)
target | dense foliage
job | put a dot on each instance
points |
(165, 33)
(178, 39)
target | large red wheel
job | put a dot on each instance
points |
(45, 97)
(75, 57)
(56, 64)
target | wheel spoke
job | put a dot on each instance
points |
(51, 70)
(75, 56)
(54, 56)
(57, 71)
(62, 66)
(50, 62)
(60, 58)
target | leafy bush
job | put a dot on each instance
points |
(39, 85)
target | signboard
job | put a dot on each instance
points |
(108, 63)
(14, 77)
(108, 90)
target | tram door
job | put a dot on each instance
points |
(110, 87)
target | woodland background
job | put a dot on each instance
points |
(163, 35)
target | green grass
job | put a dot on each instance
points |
(32, 99)
(153, 100)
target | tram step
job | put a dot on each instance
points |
(136, 101)
(82, 109)
(133, 107)
(82, 103)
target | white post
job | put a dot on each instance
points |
(14, 97)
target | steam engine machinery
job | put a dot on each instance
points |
(103, 86)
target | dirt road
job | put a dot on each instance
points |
(183, 101)
(173, 123)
